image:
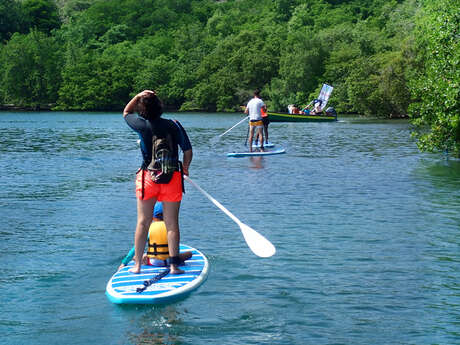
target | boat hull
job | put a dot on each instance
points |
(285, 117)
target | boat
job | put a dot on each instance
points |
(286, 117)
(321, 114)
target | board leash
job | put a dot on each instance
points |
(153, 280)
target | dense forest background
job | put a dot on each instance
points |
(387, 58)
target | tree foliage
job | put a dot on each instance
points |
(11, 19)
(210, 55)
(41, 15)
(437, 87)
(31, 69)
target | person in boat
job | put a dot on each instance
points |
(157, 252)
(317, 107)
(161, 174)
(306, 111)
(293, 109)
(296, 110)
(253, 108)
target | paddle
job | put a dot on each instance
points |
(153, 280)
(247, 137)
(259, 245)
(228, 130)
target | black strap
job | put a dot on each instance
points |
(142, 181)
(155, 247)
(174, 260)
(143, 189)
(149, 282)
(181, 168)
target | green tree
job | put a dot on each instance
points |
(238, 64)
(210, 55)
(71, 8)
(437, 89)
(10, 19)
(41, 14)
(95, 80)
(31, 69)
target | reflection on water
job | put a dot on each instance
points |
(257, 162)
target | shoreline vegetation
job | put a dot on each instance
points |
(50, 107)
(389, 59)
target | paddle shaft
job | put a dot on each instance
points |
(214, 201)
(228, 130)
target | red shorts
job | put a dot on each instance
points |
(171, 191)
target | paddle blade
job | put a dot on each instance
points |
(256, 242)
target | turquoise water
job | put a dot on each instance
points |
(366, 229)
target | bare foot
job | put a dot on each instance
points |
(136, 269)
(175, 270)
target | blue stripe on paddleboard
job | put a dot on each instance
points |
(156, 269)
(189, 263)
(148, 274)
(131, 280)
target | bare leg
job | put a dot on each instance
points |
(185, 256)
(144, 218)
(261, 138)
(251, 136)
(171, 219)
(266, 133)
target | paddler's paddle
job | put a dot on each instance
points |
(228, 130)
(256, 242)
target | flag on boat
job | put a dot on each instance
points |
(324, 95)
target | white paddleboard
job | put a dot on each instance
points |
(256, 153)
(122, 287)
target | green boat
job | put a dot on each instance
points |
(285, 117)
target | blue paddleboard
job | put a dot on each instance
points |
(258, 153)
(122, 287)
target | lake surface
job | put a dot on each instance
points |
(367, 231)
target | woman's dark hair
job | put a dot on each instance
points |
(150, 107)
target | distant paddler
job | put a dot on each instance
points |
(253, 108)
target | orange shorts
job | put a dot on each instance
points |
(171, 191)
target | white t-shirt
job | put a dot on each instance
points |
(254, 106)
